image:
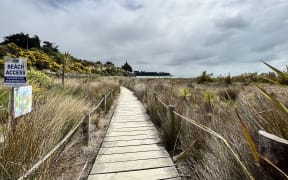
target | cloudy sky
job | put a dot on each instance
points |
(183, 37)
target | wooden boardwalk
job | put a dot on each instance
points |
(131, 149)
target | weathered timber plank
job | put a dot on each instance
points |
(131, 125)
(149, 174)
(131, 142)
(127, 120)
(136, 124)
(131, 156)
(130, 129)
(131, 133)
(128, 149)
(131, 165)
(129, 138)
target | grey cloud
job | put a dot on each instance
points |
(237, 22)
(267, 44)
(217, 38)
(131, 5)
(188, 58)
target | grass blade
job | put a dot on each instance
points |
(274, 166)
(280, 73)
(249, 139)
(277, 103)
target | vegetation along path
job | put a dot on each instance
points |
(131, 147)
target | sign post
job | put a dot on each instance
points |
(15, 72)
(11, 118)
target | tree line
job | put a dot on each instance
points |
(46, 55)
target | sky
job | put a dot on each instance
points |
(183, 37)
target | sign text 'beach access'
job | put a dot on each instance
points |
(15, 72)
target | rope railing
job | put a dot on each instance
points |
(98, 105)
(165, 105)
(213, 133)
(204, 128)
(158, 98)
(85, 120)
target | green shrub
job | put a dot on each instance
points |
(204, 78)
(4, 98)
(228, 79)
(228, 94)
(38, 79)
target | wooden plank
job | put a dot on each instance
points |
(130, 112)
(128, 149)
(132, 124)
(131, 133)
(131, 165)
(131, 156)
(129, 138)
(130, 129)
(127, 118)
(149, 174)
(123, 120)
(129, 115)
(131, 143)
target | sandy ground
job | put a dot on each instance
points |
(76, 160)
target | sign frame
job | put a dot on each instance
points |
(22, 101)
(15, 72)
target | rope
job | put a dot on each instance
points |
(99, 104)
(162, 102)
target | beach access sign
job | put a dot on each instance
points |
(22, 100)
(15, 72)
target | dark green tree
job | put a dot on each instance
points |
(228, 79)
(109, 63)
(49, 46)
(23, 40)
(204, 77)
(127, 67)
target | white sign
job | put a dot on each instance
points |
(15, 72)
(22, 100)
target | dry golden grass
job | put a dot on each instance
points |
(39, 131)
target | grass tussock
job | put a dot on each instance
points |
(40, 131)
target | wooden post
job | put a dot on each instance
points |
(171, 121)
(105, 102)
(11, 118)
(155, 96)
(86, 129)
(274, 149)
(145, 96)
(63, 72)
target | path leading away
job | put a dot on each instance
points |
(131, 150)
